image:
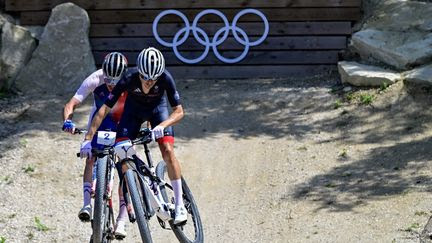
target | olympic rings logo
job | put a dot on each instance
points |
(220, 36)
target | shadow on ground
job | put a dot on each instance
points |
(385, 171)
(292, 109)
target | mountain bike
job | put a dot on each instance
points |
(103, 214)
(152, 195)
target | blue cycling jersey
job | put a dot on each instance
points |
(132, 84)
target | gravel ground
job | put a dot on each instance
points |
(295, 160)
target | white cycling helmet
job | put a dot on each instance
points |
(151, 63)
(113, 67)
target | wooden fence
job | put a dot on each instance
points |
(304, 36)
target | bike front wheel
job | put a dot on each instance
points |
(137, 202)
(192, 231)
(101, 211)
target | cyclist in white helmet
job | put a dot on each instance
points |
(100, 83)
(146, 101)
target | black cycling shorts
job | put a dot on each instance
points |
(134, 115)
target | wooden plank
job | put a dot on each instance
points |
(271, 43)
(252, 29)
(260, 71)
(252, 58)
(35, 5)
(147, 16)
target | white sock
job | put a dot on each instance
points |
(178, 192)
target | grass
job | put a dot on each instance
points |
(350, 96)
(2, 239)
(29, 169)
(366, 99)
(337, 104)
(7, 179)
(343, 153)
(40, 226)
(302, 148)
(420, 213)
(412, 227)
(384, 86)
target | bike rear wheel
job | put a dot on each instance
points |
(101, 210)
(192, 231)
(137, 202)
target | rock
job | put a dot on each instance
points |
(35, 30)
(63, 58)
(396, 15)
(364, 75)
(420, 77)
(347, 89)
(400, 50)
(16, 47)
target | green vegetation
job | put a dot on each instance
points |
(40, 226)
(7, 179)
(29, 169)
(367, 99)
(384, 86)
(344, 153)
(350, 96)
(420, 213)
(302, 148)
(337, 104)
(30, 235)
(2, 239)
(412, 227)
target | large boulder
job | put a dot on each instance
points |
(400, 50)
(63, 58)
(397, 15)
(364, 75)
(398, 34)
(420, 77)
(16, 47)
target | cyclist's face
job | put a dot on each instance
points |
(109, 83)
(148, 83)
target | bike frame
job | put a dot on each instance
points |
(150, 184)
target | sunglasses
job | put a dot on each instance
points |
(111, 81)
(145, 79)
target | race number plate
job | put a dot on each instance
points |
(106, 138)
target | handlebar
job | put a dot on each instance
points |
(144, 136)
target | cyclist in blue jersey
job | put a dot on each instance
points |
(100, 83)
(146, 86)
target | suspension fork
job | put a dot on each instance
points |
(141, 171)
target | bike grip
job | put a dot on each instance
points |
(78, 155)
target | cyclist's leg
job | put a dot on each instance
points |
(166, 146)
(85, 212)
(127, 128)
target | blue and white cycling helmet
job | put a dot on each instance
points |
(151, 63)
(113, 67)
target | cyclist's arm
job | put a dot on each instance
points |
(87, 86)
(69, 108)
(175, 116)
(97, 120)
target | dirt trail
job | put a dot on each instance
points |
(267, 161)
